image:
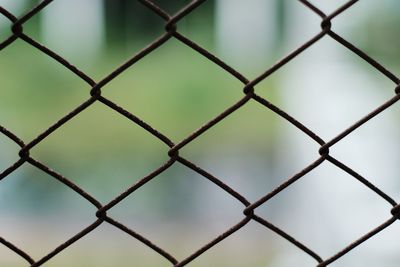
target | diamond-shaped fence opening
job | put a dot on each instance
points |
(28, 93)
(156, 218)
(66, 212)
(317, 208)
(207, 87)
(124, 152)
(249, 210)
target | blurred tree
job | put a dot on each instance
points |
(377, 31)
(128, 21)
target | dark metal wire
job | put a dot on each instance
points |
(171, 31)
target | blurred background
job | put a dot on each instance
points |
(176, 90)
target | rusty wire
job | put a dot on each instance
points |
(249, 214)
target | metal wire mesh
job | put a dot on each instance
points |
(249, 209)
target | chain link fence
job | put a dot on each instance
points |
(249, 94)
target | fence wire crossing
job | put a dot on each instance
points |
(249, 209)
